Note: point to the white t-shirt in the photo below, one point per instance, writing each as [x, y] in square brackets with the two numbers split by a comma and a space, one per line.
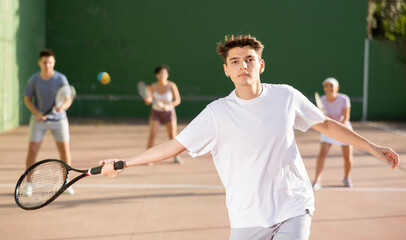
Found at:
[254, 150]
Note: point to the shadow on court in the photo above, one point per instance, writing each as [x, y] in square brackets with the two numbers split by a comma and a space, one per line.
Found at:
[170, 201]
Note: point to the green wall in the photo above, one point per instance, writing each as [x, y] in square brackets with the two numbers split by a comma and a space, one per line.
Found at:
[9, 22]
[387, 81]
[22, 35]
[305, 42]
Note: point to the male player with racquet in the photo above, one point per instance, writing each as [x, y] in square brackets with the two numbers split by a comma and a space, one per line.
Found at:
[250, 134]
[42, 88]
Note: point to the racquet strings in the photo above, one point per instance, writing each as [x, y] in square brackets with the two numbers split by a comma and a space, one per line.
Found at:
[143, 90]
[62, 94]
[41, 184]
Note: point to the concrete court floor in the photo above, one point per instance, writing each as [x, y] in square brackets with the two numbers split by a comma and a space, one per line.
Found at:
[170, 201]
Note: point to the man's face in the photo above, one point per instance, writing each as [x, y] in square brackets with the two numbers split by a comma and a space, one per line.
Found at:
[243, 66]
[47, 64]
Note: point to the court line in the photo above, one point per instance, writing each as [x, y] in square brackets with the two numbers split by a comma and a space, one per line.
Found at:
[136, 97]
[386, 128]
[356, 189]
[137, 186]
[197, 186]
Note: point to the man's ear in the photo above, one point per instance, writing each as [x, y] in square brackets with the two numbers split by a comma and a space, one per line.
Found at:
[262, 66]
[226, 70]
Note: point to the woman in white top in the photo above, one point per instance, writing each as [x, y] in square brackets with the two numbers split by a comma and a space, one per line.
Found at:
[337, 107]
[166, 93]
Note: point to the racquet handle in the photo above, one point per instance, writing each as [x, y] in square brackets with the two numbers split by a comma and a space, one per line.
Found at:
[97, 170]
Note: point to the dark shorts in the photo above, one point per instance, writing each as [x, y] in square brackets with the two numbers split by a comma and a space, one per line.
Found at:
[163, 117]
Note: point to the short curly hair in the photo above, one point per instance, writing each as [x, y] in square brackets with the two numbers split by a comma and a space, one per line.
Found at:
[238, 41]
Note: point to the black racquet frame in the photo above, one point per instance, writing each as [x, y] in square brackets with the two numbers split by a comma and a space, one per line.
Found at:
[85, 173]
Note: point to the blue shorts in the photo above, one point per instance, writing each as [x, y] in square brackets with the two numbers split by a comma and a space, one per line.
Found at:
[59, 129]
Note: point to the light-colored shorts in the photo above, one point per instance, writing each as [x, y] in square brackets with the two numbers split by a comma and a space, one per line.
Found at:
[327, 139]
[59, 129]
[297, 228]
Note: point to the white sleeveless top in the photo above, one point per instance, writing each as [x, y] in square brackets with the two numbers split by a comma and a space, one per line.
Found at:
[166, 97]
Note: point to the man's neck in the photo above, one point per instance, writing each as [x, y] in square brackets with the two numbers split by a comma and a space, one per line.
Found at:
[47, 75]
[249, 92]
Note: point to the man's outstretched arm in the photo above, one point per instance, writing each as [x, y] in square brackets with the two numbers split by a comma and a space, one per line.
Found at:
[155, 154]
[341, 133]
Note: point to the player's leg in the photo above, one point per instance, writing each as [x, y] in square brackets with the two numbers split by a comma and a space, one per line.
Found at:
[154, 123]
[64, 152]
[297, 228]
[60, 131]
[36, 135]
[172, 129]
[171, 125]
[33, 150]
[153, 130]
[65, 156]
[348, 161]
[321, 158]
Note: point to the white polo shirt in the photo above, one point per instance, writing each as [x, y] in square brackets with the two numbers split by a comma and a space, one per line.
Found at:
[254, 150]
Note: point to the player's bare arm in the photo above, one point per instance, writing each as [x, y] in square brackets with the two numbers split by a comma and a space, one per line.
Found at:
[176, 95]
[339, 132]
[346, 115]
[155, 154]
[38, 115]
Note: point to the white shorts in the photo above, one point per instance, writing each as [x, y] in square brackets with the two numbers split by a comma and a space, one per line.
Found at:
[297, 228]
[327, 139]
[59, 129]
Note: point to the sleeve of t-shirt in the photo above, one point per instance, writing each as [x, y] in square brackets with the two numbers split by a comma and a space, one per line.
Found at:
[307, 114]
[64, 80]
[29, 89]
[199, 136]
[347, 102]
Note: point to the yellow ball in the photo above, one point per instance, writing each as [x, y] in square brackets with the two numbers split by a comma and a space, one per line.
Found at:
[104, 78]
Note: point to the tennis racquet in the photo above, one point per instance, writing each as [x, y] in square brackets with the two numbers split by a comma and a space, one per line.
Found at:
[44, 181]
[64, 94]
[319, 103]
[145, 92]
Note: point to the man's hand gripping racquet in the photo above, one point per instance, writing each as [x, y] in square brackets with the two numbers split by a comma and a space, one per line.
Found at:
[64, 95]
[44, 181]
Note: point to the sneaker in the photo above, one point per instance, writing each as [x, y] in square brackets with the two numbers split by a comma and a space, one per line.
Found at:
[316, 186]
[69, 191]
[347, 182]
[28, 189]
[178, 160]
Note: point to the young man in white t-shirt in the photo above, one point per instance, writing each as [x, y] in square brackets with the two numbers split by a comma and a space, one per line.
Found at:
[250, 134]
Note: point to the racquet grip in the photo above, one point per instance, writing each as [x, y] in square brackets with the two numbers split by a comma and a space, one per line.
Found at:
[97, 170]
